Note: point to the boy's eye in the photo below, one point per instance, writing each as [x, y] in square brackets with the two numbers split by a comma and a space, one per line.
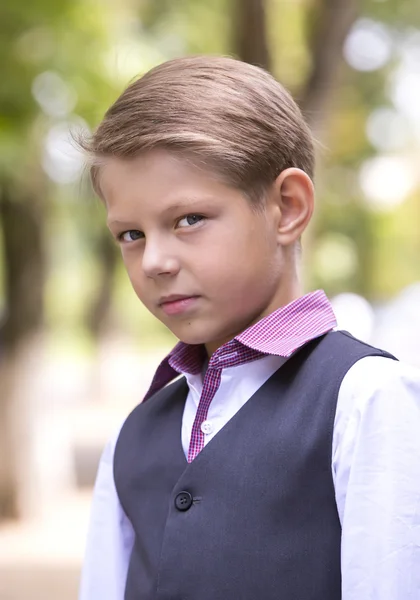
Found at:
[190, 220]
[131, 235]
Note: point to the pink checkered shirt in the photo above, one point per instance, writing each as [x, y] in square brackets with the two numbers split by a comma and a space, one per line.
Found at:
[281, 333]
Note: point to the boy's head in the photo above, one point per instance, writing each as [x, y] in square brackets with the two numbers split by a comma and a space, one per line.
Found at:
[205, 168]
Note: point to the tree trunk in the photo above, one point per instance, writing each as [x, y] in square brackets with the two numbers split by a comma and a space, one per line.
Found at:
[8, 472]
[329, 23]
[99, 311]
[21, 215]
[251, 44]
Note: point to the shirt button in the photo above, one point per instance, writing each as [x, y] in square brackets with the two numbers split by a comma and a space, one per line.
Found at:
[183, 501]
[207, 427]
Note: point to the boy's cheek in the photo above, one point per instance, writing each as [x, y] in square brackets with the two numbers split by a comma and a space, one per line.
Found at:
[138, 287]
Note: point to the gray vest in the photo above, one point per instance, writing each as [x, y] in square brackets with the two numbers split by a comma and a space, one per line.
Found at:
[253, 517]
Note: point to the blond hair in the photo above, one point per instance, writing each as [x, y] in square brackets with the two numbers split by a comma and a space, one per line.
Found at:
[217, 112]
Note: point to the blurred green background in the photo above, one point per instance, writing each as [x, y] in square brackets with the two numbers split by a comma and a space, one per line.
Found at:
[76, 347]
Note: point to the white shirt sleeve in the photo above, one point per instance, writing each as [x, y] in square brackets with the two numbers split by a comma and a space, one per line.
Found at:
[110, 538]
[376, 470]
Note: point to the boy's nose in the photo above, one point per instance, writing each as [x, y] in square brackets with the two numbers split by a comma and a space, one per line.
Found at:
[158, 262]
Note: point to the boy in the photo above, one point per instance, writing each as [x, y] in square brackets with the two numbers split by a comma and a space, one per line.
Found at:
[284, 463]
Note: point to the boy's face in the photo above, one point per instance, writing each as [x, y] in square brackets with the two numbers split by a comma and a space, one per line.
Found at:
[199, 257]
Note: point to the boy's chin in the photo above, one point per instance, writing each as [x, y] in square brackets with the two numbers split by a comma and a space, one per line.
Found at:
[193, 335]
[191, 338]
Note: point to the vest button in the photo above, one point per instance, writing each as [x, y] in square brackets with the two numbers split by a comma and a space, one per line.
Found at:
[183, 501]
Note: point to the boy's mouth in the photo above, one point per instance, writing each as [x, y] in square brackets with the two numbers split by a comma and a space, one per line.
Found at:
[177, 303]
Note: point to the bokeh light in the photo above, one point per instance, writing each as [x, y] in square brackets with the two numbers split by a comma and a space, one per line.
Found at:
[368, 46]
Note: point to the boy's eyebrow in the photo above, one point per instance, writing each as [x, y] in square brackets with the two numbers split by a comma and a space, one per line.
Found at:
[118, 223]
[188, 203]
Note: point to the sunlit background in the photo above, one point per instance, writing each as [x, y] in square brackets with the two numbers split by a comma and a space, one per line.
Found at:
[77, 350]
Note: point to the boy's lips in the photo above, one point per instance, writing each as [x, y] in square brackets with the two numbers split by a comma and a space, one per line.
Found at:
[177, 303]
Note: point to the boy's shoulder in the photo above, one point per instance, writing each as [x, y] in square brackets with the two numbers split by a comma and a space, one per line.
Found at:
[378, 384]
[331, 355]
[343, 342]
[376, 372]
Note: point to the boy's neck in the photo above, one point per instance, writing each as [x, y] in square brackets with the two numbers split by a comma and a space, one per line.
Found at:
[285, 295]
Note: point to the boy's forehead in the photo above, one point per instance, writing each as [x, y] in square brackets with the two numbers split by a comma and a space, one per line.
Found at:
[158, 178]
[119, 173]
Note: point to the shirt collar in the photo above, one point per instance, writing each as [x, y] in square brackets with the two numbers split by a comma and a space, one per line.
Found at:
[280, 334]
[285, 330]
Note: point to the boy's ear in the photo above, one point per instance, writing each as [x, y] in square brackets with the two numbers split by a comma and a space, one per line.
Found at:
[294, 196]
